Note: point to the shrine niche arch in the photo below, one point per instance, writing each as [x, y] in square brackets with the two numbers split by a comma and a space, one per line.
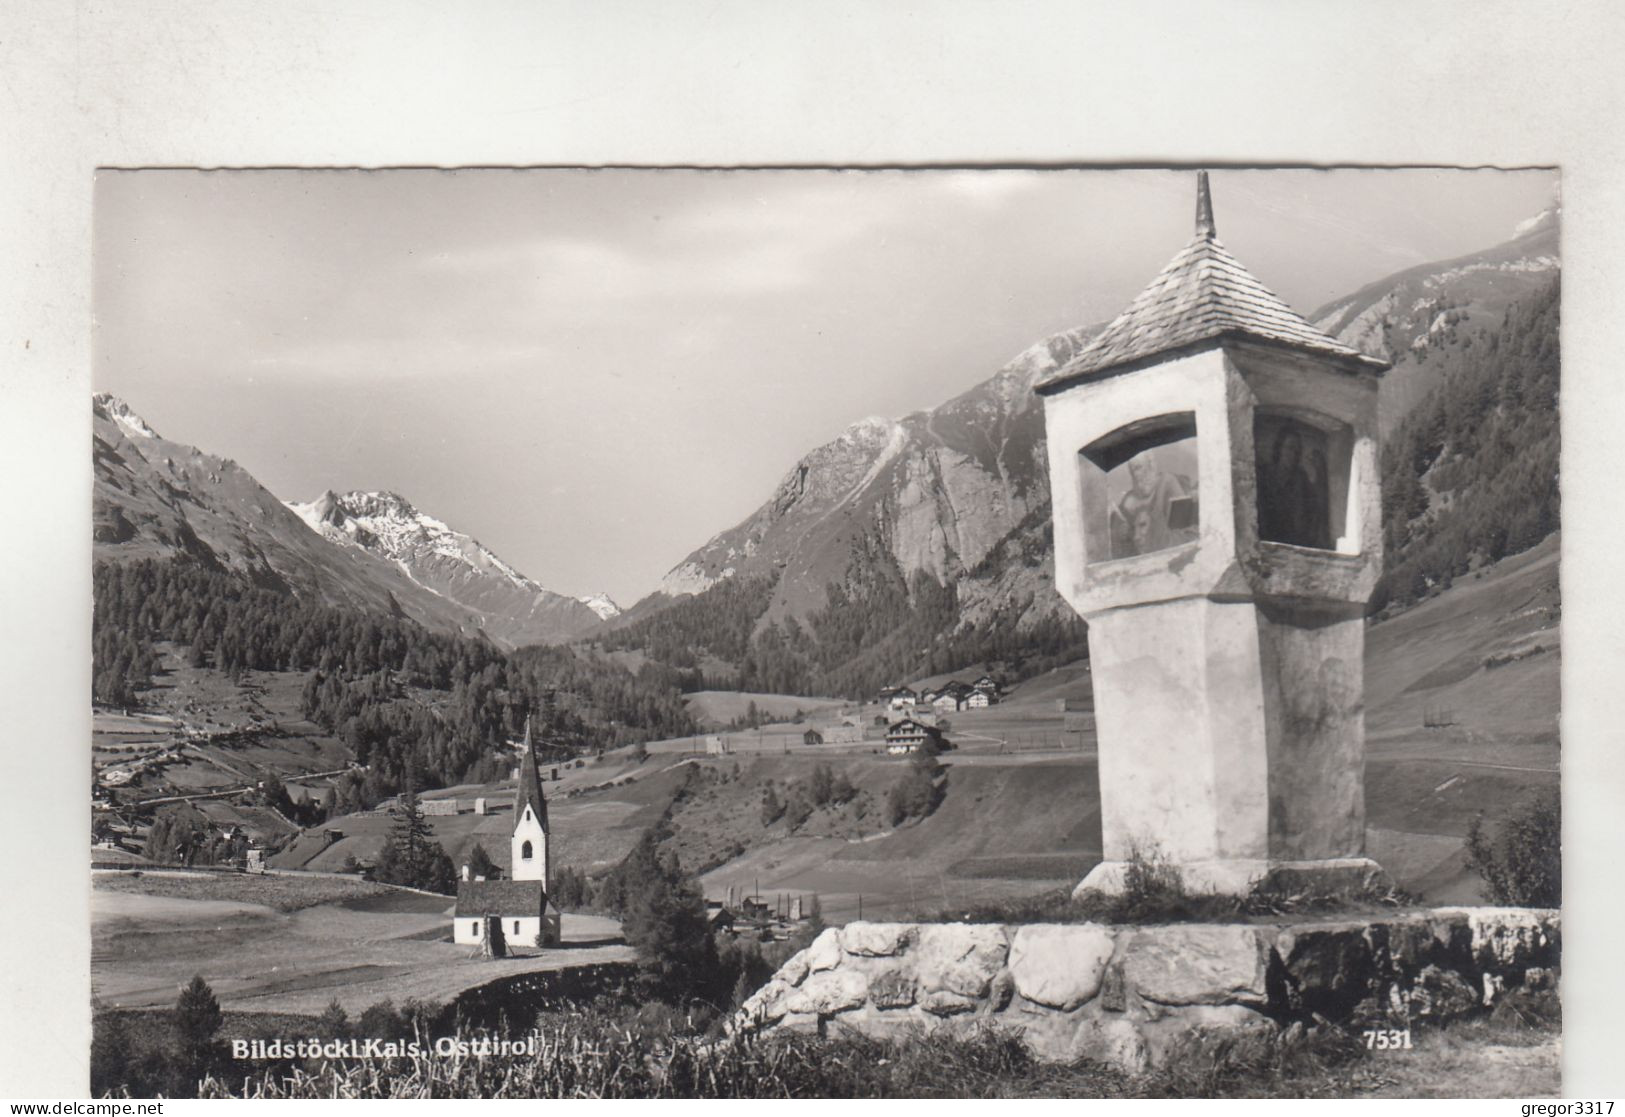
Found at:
[1304, 483]
[1140, 488]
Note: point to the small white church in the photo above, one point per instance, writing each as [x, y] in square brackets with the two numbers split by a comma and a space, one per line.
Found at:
[498, 914]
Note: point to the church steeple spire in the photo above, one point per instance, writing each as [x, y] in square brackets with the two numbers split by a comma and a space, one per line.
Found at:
[1204, 208]
[530, 830]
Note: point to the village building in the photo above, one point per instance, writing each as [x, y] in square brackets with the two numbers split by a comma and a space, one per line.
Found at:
[812, 737]
[716, 746]
[908, 735]
[498, 914]
[902, 698]
[946, 702]
[719, 917]
[979, 700]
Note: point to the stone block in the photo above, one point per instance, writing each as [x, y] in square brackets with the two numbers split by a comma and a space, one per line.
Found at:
[1433, 938]
[766, 1005]
[957, 958]
[825, 952]
[893, 988]
[940, 1002]
[828, 992]
[1110, 1039]
[1439, 994]
[806, 1022]
[1060, 966]
[1051, 1036]
[878, 940]
[882, 1024]
[1539, 979]
[1512, 939]
[794, 971]
[1198, 964]
[1203, 1033]
[1331, 966]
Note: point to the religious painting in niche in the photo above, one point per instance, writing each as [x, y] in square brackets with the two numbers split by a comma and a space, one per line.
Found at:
[1294, 482]
[1152, 499]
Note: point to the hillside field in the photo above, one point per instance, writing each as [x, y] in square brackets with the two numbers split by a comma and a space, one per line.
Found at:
[1021, 810]
[292, 943]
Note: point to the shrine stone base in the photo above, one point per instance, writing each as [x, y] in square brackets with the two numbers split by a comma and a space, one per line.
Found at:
[1340, 875]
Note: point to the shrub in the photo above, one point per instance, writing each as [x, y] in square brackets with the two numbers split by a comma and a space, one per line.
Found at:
[914, 796]
[1522, 863]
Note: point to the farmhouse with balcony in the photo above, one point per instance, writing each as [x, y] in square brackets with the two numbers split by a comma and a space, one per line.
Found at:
[899, 698]
[908, 735]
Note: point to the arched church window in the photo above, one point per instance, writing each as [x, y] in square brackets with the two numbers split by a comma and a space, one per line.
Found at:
[524, 851]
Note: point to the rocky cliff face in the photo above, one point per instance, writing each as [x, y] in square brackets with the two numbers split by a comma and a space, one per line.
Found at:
[939, 489]
[961, 492]
[446, 562]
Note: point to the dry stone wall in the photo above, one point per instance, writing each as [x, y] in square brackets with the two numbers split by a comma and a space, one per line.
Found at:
[1129, 995]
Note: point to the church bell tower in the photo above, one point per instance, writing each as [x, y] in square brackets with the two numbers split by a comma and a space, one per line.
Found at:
[532, 857]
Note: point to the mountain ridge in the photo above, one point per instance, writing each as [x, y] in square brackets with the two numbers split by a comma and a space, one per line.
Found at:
[157, 498]
[958, 494]
[450, 563]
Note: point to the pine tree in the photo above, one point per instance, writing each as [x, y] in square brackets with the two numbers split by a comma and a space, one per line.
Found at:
[196, 1020]
[480, 863]
[334, 1022]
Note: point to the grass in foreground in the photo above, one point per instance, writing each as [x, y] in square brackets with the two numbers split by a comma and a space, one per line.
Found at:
[592, 1054]
[1170, 905]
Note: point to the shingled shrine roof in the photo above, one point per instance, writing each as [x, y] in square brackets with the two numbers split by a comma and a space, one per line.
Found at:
[1203, 295]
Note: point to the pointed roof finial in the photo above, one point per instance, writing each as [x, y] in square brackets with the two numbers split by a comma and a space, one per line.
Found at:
[1204, 207]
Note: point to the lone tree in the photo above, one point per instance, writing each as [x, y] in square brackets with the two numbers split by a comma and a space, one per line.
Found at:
[197, 1021]
[663, 918]
[480, 863]
[411, 856]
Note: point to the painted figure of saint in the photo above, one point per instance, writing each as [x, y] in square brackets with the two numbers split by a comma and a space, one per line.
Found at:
[1293, 495]
[1158, 510]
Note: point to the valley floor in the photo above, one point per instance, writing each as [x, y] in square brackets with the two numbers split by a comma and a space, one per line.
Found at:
[292, 944]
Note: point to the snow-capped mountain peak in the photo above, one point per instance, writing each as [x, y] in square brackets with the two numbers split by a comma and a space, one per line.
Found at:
[447, 562]
[386, 523]
[601, 604]
[1546, 217]
[119, 412]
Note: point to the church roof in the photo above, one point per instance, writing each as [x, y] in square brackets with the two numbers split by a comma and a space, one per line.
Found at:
[1203, 295]
[530, 784]
[522, 898]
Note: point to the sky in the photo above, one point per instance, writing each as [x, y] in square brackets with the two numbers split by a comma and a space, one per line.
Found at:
[594, 371]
